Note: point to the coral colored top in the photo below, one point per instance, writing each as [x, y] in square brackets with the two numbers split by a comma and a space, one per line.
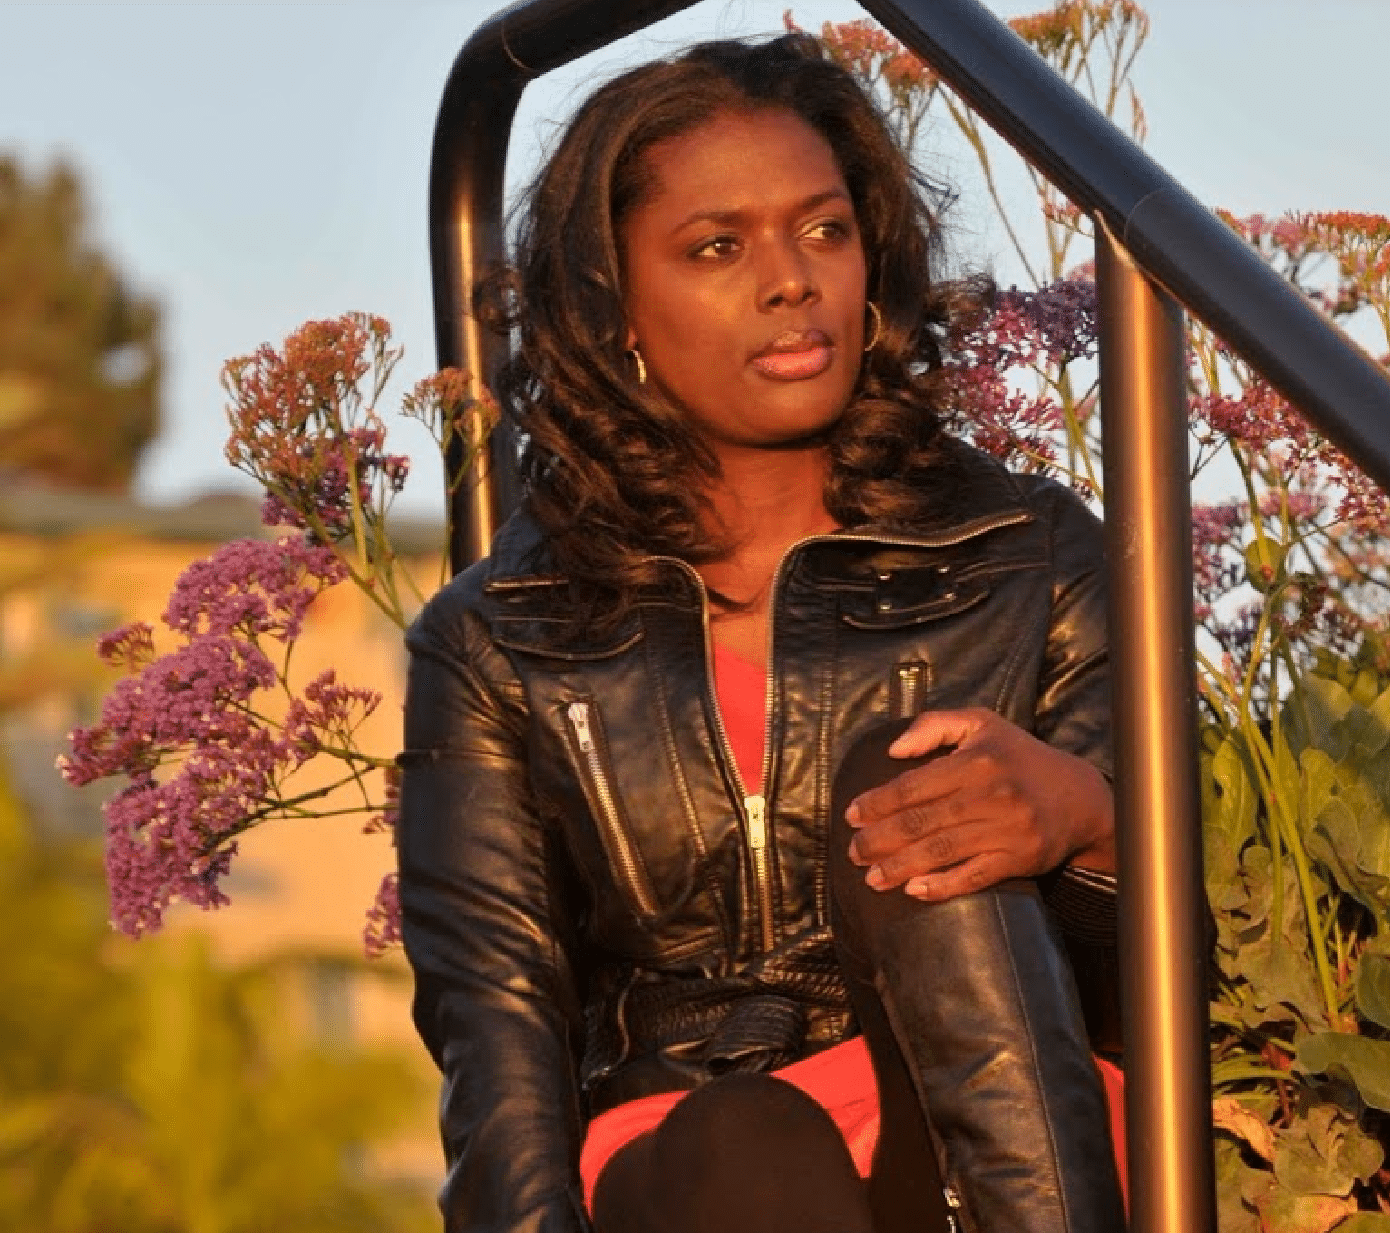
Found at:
[839, 1079]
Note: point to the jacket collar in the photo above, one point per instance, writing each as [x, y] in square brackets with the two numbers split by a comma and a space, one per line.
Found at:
[971, 495]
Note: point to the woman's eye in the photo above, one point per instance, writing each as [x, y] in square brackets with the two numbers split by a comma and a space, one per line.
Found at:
[828, 229]
[715, 247]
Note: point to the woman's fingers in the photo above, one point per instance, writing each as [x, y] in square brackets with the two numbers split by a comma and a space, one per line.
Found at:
[1001, 804]
[977, 830]
[933, 730]
[905, 799]
[978, 873]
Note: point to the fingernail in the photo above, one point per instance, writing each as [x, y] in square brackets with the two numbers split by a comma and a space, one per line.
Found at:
[852, 814]
[875, 877]
[898, 747]
[918, 888]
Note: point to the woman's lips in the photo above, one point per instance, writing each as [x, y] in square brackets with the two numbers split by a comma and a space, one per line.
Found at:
[795, 357]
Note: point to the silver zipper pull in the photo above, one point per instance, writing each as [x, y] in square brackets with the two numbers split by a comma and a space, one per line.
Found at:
[756, 807]
[952, 1205]
[579, 717]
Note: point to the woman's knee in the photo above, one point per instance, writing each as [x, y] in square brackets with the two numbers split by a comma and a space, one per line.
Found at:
[741, 1152]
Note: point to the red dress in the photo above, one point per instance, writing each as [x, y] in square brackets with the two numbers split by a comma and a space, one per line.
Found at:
[839, 1079]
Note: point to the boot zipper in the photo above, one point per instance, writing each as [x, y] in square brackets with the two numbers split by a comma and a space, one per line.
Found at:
[583, 723]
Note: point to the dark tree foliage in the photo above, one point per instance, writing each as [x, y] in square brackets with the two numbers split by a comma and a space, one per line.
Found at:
[80, 359]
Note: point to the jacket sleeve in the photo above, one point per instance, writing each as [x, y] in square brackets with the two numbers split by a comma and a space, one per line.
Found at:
[1073, 713]
[1073, 707]
[485, 929]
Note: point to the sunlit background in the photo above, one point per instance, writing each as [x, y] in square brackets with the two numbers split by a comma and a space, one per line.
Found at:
[243, 168]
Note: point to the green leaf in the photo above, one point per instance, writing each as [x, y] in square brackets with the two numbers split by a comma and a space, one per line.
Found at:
[1373, 988]
[1288, 777]
[1380, 708]
[1282, 974]
[1235, 813]
[1282, 1210]
[1325, 1152]
[1367, 733]
[1233, 1178]
[1365, 1062]
[1313, 712]
[1221, 872]
[1356, 848]
[1319, 786]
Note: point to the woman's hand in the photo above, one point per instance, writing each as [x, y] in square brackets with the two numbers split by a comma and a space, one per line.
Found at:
[1002, 804]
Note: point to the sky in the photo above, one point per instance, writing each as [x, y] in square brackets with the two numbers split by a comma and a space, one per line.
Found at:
[256, 165]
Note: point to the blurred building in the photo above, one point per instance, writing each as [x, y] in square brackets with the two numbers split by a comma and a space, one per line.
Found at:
[75, 564]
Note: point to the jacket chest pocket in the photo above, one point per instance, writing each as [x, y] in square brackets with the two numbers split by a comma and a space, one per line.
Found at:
[592, 757]
[945, 638]
[927, 638]
[913, 598]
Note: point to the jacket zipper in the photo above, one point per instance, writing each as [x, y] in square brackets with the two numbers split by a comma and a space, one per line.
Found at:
[754, 805]
[582, 724]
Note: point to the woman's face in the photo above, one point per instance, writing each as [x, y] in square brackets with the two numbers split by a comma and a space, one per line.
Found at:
[745, 280]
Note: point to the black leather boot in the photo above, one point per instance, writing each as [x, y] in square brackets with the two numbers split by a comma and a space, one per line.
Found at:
[971, 1002]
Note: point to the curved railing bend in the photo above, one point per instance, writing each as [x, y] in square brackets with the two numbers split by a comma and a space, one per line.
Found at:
[1156, 247]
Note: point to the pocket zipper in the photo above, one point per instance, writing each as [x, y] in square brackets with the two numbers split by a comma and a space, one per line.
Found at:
[583, 723]
[907, 682]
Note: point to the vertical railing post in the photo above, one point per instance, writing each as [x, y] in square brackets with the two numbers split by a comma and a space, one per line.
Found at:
[1148, 520]
[466, 190]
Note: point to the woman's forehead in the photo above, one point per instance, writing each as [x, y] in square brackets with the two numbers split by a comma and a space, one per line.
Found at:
[736, 159]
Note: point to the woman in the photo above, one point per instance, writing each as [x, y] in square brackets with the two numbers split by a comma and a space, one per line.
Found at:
[656, 834]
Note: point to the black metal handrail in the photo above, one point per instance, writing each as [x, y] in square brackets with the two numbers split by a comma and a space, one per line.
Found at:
[467, 169]
[1156, 245]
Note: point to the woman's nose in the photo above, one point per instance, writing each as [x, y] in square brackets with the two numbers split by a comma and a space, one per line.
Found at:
[787, 279]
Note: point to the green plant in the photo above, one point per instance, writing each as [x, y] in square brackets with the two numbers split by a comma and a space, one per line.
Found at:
[151, 1089]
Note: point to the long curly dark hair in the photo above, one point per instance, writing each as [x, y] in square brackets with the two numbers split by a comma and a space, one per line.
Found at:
[614, 475]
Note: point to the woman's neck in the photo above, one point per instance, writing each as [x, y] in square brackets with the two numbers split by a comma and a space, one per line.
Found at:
[764, 501]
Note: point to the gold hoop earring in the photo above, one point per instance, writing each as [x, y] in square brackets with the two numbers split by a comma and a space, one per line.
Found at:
[641, 367]
[878, 326]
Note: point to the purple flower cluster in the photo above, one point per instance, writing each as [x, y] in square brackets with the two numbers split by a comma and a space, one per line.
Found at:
[383, 928]
[1216, 564]
[1033, 331]
[251, 587]
[202, 764]
[326, 713]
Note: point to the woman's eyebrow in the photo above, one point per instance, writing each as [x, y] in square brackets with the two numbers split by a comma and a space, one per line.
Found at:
[728, 217]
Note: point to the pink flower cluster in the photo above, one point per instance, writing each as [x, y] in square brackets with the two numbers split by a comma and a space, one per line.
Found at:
[1217, 531]
[304, 426]
[1261, 422]
[202, 764]
[251, 587]
[870, 53]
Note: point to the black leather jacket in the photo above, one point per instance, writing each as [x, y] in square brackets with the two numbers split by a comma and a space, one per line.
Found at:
[594, 904]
